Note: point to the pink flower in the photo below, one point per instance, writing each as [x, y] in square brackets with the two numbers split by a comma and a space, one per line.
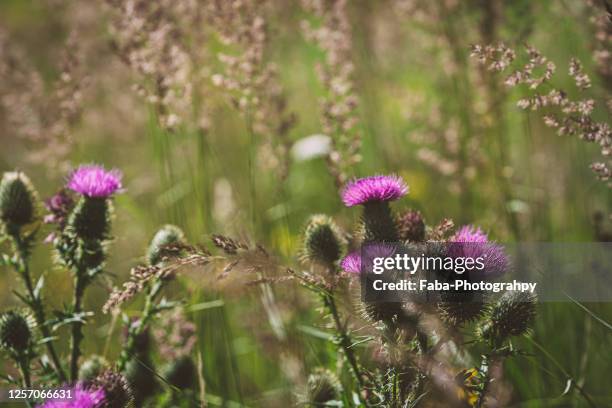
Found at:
[375, 188]
[81, 397]
[472, 242]
[95, 181]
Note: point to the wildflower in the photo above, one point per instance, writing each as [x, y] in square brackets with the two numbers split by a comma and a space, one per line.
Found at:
[411, 226]
[472, 242]
[16, 332]
[117, 391]
[351, 263]
[18, 200]
[323, 386]
[167, 235]
[374, 189]
[82, 397]
[374, 193]
[94, 181]
[323, 240]
[90, 219]
[512, 315]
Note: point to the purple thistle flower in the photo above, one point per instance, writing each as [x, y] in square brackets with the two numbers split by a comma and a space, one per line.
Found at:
[351, 263]
[375, 188]
[470, 233]
[471, 242]
[82, 397]
[95, 181]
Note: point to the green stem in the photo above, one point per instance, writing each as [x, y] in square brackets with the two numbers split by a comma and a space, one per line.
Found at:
[135, 330]
[345, 339]
[36, 304]
[77, 334]
[24, 367]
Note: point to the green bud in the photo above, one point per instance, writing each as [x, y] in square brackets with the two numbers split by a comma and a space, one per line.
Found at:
[18, 200]
[456, 313]
[90, 218]
[322, 240]
[181, 373]
[512, 315]
[323, 386]
[167, 235]
[92, 367]
[379, 222]
[16, 331]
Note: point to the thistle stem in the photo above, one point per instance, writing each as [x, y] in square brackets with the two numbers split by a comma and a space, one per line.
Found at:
[77, 334]
[135, 330]
[345, 342]
[35, 303]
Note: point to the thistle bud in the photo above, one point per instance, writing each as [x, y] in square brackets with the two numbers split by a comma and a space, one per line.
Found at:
[322, 240]
[456, 313]
[181, 373]
[117, 391]
[90, 219]
[512, 315]
[141, 378]
[16, 334]
[167, 235]
[92, 367]
[411, 226]
[18, 200]
[323, 386]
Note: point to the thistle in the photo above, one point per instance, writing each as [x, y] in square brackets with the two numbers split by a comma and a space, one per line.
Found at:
[512, 315]
[458, 311]
[352, 263]
[323, 386]
[167, 235]
[411, 226]
[374, 193]
[82, 397]
[81, 244]
[472, 242]
[16, 332]
[117, 391]
[90, 219]
[323, 241]
[18, 201]
[17, 339]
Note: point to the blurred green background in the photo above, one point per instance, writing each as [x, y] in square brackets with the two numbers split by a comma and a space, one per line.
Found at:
[417, 87]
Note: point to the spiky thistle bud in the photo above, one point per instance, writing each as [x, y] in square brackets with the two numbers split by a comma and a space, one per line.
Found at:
[167, 235]
[140, 375]
[411, 226]
[181, 373]
[92, 367]
[458, 312]
[322, 387]
[16, 331]
[117, 391]
[18, 201]
[512, 315]
[90, 218]
[323, 240]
